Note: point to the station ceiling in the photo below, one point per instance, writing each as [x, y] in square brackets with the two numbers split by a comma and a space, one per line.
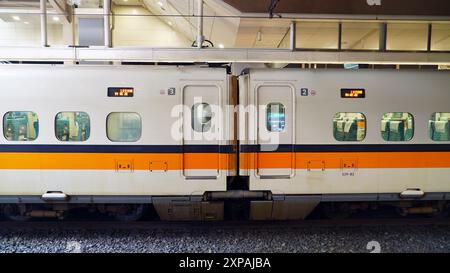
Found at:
[382, 7]
[225, 24]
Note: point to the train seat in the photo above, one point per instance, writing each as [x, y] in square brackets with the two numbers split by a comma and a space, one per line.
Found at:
[441, 131]
[409, 130]
[396, 130]
[339, 130]
[385, 129]
[350, 130]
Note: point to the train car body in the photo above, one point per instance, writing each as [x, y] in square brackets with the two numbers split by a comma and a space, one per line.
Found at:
[104, 134]
[195, 143]
[336, 135]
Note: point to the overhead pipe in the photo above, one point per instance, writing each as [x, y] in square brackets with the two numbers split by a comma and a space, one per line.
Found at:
[107, 22]
[44, 37]
[383, 36]
[200, 37]
[293, 36]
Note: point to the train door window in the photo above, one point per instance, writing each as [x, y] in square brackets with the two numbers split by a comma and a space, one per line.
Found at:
[397, 126]
[439, 126]
[275, 117]
[124, 127]
[201, 116]
[72, 126]
[20, 126]
[349, 126]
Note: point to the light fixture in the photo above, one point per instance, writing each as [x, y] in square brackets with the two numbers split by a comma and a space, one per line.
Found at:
[221, 46]
[161, 5]
[259, 36]
[55, 18]
[169, 23]
[15, 17]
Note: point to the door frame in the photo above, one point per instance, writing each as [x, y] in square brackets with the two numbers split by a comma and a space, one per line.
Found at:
[293, 130]
[182, 86]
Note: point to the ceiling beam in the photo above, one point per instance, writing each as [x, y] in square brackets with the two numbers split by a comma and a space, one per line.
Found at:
[131, 54]
[19, 4]
[62, 8]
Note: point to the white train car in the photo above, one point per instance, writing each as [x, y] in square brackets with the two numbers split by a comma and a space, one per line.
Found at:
[114, 135]
[344, 136]
[114, 138]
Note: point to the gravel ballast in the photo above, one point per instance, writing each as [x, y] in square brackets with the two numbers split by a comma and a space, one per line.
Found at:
[217, 240]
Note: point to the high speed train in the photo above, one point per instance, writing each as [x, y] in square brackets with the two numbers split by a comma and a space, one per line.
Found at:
[195, 143]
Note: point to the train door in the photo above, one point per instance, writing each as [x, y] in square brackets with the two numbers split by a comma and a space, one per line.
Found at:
[201, 125]
[276, 119]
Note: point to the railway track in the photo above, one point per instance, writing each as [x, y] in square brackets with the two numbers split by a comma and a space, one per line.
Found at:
[249, 225]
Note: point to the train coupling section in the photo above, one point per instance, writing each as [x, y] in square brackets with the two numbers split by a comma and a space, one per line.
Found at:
[238, 194]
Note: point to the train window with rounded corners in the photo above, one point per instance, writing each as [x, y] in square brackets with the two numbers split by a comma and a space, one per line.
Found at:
[275, 117]
[397, 126]
[439, 126]
[20, 126]
[123, 126]
[201, 116]
[349, 126]
[72, 126]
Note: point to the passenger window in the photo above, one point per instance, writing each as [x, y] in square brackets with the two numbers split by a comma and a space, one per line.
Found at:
[72, 126]
[438, 127]
[275, 117]
[20, 126]
[349, 126]
[201, 116]
[397, 126]
[124, 127]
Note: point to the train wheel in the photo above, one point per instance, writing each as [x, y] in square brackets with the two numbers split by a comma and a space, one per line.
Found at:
[15, 213]
[130, 213]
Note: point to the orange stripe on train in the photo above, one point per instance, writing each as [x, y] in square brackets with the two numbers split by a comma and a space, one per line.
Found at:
[337, 160]
[109, 161]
